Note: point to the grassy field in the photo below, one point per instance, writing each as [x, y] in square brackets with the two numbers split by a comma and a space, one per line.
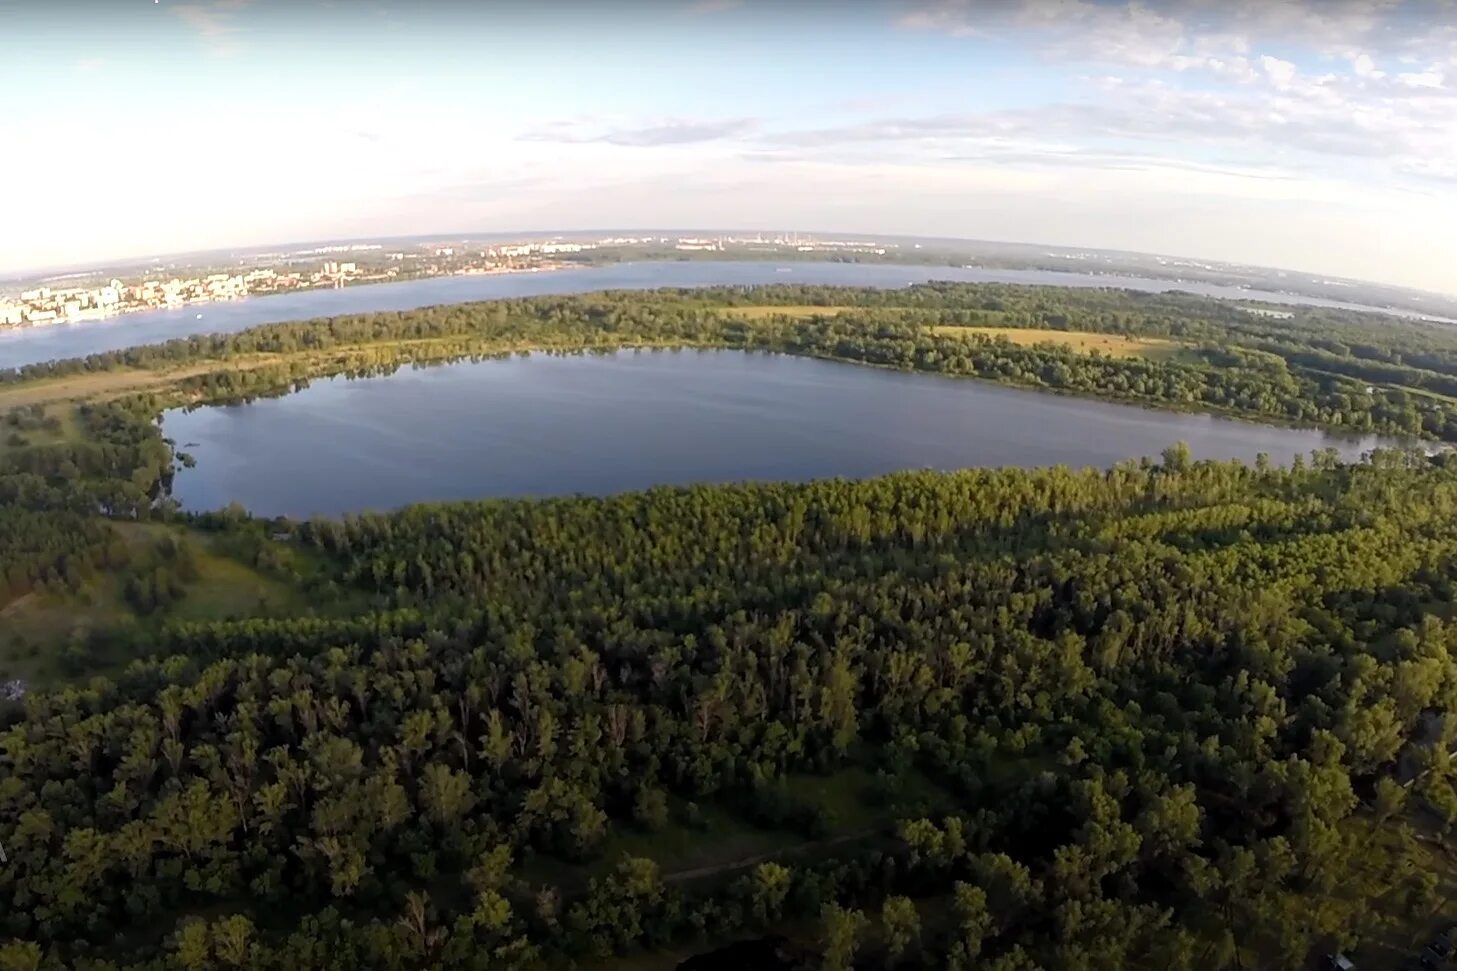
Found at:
[106, 385]
[847, 796]
[725, 843]
[1111, 345]
[95, 385]
[224, 587]
[62, 412]
[102, 385]
[1423, 392]
[722, 839]
[37, 628]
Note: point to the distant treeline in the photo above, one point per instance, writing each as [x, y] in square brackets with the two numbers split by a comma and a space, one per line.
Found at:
[1339, 369]
[1165, 705]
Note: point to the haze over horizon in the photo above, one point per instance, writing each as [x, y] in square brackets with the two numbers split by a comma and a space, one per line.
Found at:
[124, 264]
[1307, 135]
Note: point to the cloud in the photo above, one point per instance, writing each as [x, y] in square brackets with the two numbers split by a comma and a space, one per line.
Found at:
[1181, 34]
[669, 132]
[1279, 79]
[1088, 159]
[1423, 79]
[1365, 67]
[1280, 72]
[214, 22]
[704, 7]
[1311, 122]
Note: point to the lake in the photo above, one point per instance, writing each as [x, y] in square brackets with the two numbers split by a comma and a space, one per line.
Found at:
[34, 345]
[557, 425]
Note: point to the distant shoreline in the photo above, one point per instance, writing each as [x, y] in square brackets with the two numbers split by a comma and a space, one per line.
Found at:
[30, 345]
[93, 315]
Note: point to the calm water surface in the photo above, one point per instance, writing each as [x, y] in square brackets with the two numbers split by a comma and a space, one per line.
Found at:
[545, 425]
[31, 346]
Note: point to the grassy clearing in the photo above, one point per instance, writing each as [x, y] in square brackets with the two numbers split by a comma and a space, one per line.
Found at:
[679, 848]
[12, 438]
[1111, 345]
[724, 843]
[102, 385]
[1423, 393]
[224, 588]
[228, 589]
[848, 798]
[94, 385]
[37, 629]
[106, 385]
[719, 842]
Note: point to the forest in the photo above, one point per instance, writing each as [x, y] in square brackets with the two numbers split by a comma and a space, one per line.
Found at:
[1341, 369]
[1172, 714]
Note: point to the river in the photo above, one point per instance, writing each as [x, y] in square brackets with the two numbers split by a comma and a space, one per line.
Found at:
[552, 425]
[33, 345]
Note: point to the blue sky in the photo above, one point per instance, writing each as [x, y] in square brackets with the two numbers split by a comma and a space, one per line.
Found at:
[1314, 134]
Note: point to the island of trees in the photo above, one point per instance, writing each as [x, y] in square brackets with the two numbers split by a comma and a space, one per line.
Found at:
[1169, 714]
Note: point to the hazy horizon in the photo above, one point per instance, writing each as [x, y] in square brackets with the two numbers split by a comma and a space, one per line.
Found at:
[1301, 135]
[123, 263]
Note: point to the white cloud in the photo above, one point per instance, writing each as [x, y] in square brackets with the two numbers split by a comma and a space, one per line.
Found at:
[1258, 130]
[1365, 67]
[714, 6]
[1202, 72]
[1183, 33]
[1422, 79]
[670, 131]
[214, 21]
[1214, 214]
[1280, 72]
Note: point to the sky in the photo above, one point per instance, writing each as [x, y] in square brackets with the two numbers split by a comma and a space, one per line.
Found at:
[1318, 135]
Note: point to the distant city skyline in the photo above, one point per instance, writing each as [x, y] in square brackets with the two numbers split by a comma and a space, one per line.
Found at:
[1309, 135]
[147, 265]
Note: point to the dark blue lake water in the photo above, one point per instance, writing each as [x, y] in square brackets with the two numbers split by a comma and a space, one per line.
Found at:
[544, 425]
[33, 345]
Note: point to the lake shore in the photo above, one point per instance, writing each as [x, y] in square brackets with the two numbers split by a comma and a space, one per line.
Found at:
[39, 344]
[602, 424]
[94, 315]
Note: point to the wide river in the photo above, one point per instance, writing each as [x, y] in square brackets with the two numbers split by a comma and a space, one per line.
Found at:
[37, 344]
[547, 425]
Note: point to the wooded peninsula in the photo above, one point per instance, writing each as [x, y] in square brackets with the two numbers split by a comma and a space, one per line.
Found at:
[1172, 714]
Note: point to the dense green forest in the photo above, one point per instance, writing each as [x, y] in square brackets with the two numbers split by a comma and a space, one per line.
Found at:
[1345, 369]
[1171, 714]
[1129, 694]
